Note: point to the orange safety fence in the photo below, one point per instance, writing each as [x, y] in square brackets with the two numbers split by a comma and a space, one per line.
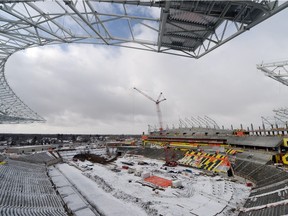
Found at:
[162, 182]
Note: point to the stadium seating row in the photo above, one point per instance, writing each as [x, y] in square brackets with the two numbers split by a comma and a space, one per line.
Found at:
[42, 157]
[261, 175]
[205, 161]
[270, 191]
[8, 211]
[275, 210]
[27, 190]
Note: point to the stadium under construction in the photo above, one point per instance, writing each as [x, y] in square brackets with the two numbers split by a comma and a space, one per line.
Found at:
[184, 177]
[186, 171]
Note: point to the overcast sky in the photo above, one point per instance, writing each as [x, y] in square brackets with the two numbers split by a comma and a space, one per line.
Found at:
[89, 89]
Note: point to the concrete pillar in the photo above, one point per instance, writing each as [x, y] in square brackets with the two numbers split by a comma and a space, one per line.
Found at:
[277, 131]
[263, 126]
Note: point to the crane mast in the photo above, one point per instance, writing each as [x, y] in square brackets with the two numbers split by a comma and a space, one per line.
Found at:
[157, 102]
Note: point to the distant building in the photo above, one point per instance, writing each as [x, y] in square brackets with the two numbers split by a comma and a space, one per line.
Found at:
[28, 149]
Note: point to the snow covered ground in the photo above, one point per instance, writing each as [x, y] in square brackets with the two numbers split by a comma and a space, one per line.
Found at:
[113, 190]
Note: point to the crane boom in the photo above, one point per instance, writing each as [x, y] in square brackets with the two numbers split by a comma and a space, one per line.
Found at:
[157, 102]
[147, 96]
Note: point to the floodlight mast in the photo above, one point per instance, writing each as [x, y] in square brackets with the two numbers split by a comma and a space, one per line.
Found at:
[157, 102]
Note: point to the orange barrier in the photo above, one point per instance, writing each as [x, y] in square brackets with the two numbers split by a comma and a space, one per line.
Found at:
[159, 181]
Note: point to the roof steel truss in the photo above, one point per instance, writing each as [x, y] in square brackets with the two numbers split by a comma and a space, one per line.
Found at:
[276, 70]
[280, 119]
[185, 28]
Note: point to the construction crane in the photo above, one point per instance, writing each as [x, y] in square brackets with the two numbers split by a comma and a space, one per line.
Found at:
[157, 102]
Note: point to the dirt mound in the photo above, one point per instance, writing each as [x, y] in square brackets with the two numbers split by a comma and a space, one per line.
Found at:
[93, 158]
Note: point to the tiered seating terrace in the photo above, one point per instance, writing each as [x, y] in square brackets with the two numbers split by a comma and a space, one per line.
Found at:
[270, 196]
[42, 157]
[25, 189]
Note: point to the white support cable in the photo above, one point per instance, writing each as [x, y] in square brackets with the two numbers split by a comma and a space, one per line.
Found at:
[203, 121]
[196, 121]
[213, 122]
[189, 122]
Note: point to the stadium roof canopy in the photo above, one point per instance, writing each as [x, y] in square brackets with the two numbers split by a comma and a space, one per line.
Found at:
[276, 70]
[185, 28]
